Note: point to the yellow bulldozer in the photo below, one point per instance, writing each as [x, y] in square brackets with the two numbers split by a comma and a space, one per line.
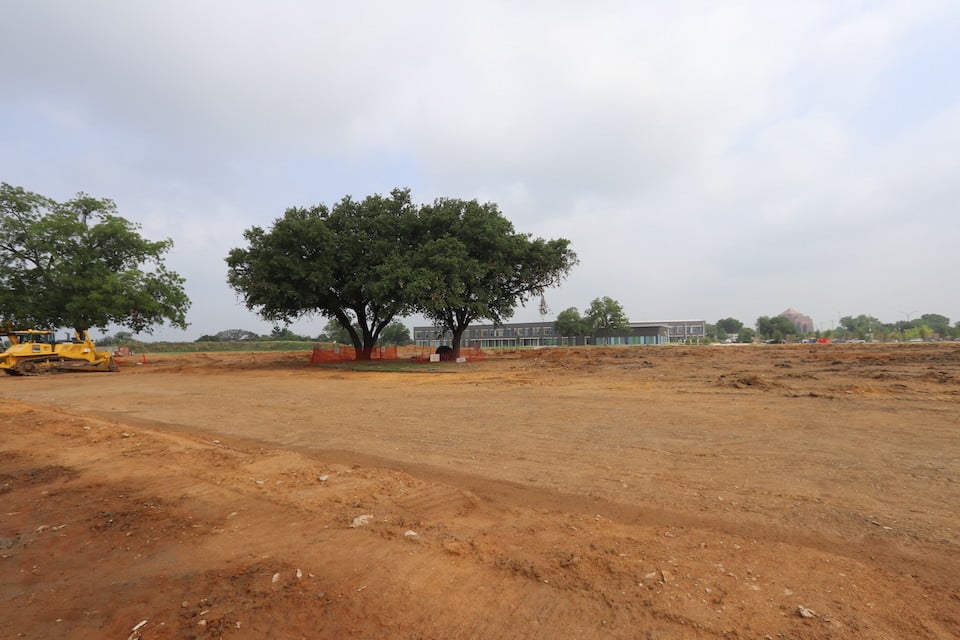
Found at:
[37, 351]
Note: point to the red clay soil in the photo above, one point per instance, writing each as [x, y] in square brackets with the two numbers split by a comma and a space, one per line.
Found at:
[655, 492]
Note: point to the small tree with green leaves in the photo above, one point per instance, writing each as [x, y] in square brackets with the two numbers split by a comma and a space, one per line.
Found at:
[395, 334]
[775, 328]
[334, 332]
[729, 326]
[936, 323]
[346, 263]
[569, 324]
[605, 317]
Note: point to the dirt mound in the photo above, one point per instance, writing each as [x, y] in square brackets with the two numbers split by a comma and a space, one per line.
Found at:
[748, 381]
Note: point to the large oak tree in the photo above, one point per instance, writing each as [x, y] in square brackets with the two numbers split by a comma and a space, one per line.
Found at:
[78, 264]
[364, 263]
[339, 262]
[472, 265]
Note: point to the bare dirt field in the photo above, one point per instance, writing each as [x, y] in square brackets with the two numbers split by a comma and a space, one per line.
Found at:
[795, 491]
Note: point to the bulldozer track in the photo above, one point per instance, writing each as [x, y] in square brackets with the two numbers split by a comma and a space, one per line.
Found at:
[33, 352]
[38, 367]
[51, 366]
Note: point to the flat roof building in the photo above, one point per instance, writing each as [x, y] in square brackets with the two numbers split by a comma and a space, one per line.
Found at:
[544, 334]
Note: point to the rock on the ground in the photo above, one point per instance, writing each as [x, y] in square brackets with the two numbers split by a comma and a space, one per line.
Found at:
[361, 521]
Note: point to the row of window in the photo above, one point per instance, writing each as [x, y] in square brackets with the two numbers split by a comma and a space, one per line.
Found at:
[501, 332]
[687, 329]
[677, 330]
[509, 332]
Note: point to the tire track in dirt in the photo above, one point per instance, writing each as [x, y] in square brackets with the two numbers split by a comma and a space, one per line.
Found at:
[446, 494]
[934, 565]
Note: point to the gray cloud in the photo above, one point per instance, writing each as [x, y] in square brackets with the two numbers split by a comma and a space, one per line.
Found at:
[706, 160]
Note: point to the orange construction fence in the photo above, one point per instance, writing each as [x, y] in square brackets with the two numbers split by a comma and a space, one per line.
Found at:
[327, 354]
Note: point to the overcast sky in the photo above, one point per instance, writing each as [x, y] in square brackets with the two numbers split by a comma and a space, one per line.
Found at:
[706, 159]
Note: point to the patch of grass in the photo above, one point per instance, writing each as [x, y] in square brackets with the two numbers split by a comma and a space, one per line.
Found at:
[397, 366]
[217, 347]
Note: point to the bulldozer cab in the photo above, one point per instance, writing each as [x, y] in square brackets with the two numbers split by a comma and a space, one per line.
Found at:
[36, 336]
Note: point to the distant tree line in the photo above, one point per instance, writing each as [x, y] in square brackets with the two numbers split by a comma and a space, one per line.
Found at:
[605, 317]
[394, 334]
[862, 327]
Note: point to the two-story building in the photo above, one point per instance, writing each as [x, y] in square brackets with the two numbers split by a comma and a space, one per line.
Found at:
[544, 334]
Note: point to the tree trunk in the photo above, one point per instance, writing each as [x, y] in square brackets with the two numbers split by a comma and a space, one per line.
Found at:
[455, 339]
[360, 353]
[365, 349]
[362, 345]
[366, 353]
[357, 344]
